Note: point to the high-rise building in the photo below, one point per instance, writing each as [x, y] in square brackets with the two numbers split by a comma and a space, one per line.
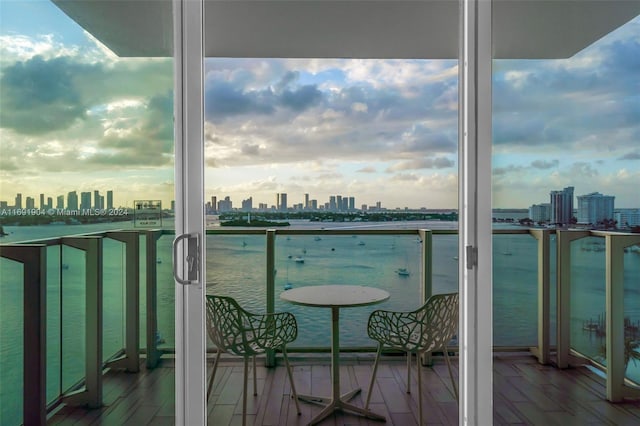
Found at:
[60, 202]
[247, 205]
[109, 199]
[627, 217]
[49, 202]
[595, 207]
[96, 200]
[314, 204]
[214, 203]
[561, 206]
[339, 202]
[72, 201]
[31, 203]
[352, 203]
[332, 203]
[283, 202]
[18, 204]
[306, 201]
[540, 212]
[42, 204]
[225, 205]
[85, 201]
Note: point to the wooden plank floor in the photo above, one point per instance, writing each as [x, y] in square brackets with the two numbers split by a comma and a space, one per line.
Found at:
[525, 393]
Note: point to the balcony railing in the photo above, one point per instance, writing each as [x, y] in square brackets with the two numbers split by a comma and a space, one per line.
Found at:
[66, 281]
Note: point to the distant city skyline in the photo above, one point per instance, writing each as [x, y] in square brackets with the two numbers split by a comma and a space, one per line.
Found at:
[380, 130]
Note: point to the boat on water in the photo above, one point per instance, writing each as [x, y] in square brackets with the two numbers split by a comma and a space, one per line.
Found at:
[299, 259]
[317, 239]
[403, 272]
[361, 243]
[288, 286]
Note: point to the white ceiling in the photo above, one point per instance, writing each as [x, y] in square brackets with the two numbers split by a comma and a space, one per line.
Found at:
[523, 29]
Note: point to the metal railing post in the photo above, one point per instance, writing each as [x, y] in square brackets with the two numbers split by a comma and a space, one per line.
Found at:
[270, 360]
[153, 354]
[426, 284]
[34, 260]
[426, 280]
[615, 328]
[91, 396]
[542, 351]
[131, 359]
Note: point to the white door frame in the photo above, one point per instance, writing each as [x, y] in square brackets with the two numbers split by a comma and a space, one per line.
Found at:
[190, 357]
[474, 206]
[475, 237]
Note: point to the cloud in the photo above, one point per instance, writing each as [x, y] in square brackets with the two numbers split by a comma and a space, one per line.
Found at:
[582, 169]
[367, 169]
[499, 171]
[422, 163]
[544, 164]
[249, 149]
[39, 95]
[634, 155]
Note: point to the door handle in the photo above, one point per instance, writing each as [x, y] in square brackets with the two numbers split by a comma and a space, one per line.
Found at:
[192, 258]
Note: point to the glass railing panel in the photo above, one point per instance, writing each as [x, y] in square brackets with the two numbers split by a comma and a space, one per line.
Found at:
[445, 263]
[515, 290]
[54, 326]
[236, 267]
[632, 311]
[73, 316]
[165, 293]
[11, 342]
[588, 296]
[392, 263]
[114, 278]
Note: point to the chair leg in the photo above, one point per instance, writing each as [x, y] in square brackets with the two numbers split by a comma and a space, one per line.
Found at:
[453, 382]
[244, 390]
[419, 388]
[255, 382]
[294, 394]
[409, 372]
[373, 376]
[213, 374]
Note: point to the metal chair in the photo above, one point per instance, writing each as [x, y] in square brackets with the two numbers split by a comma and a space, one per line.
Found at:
[427, 329]
[239, 332]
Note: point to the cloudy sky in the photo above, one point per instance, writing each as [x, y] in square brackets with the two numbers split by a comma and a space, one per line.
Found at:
[73, 116]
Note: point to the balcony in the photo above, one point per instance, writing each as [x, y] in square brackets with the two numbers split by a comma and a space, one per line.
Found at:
[95, 308]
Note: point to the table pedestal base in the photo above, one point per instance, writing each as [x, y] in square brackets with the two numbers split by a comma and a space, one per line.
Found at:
[332, 405]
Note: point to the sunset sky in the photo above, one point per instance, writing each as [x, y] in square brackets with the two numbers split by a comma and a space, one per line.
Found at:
[73, 116]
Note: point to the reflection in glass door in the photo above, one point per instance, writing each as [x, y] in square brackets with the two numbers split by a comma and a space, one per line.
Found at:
[87, 168]
[565, 156]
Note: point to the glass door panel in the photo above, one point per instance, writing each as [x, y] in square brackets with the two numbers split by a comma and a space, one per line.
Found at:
[346, 159]
[565, 91]
[87, 151]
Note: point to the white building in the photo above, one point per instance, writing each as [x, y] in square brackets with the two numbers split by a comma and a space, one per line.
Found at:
[627, 217]
[595, 207]
[540, 212]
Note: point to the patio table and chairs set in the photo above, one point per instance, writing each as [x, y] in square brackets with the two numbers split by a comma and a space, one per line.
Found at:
[236, 331]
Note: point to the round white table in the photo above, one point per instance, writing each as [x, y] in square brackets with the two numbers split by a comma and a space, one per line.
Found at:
[336, 297]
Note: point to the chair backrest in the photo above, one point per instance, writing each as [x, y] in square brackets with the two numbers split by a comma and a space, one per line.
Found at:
[226, 324]
[440, 320]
